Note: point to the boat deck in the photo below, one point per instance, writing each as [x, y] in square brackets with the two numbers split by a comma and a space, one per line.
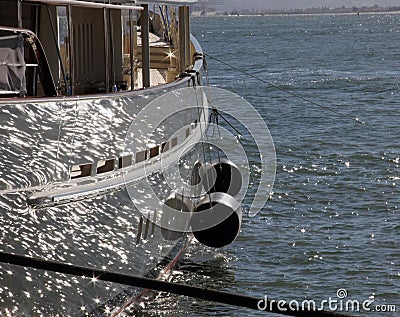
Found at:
[159, 62]
[155, 41]
[157, 77]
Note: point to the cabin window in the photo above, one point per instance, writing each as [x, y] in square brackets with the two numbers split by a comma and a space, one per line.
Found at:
[64, 45]
[130, 62]
[105, 166]
[141, 156]
[174, 142]
[125, 161]
[164, 147]
[154, 151]
[82, 170]
[96, 49]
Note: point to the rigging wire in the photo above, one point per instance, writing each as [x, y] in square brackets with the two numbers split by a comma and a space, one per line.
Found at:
[357, 120]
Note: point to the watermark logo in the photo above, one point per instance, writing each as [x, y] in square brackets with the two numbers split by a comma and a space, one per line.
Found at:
[340, 303]
[341, 293]
[163, 136]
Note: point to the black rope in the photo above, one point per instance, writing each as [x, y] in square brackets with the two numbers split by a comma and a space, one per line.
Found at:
[286, 91]
[227, 122]
[162, 286]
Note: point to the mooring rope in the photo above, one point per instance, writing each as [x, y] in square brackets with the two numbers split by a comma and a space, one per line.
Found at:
[227, 122]
[357, 120]
[222, 297]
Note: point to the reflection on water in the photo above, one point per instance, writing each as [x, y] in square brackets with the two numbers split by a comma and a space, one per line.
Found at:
[333, 218]
[201, 266]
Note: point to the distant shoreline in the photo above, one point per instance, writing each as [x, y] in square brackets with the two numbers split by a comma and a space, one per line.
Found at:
[310, 11]
[289, 14]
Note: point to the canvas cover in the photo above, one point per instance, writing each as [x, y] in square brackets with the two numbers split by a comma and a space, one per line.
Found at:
[12, 65]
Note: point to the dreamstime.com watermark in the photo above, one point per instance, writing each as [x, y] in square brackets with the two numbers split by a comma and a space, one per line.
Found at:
[340, 303]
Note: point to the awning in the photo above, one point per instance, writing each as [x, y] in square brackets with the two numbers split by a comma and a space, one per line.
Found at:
[86, 4]
[168, 2]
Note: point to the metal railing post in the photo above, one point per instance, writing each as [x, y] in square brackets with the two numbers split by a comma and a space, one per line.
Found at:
[145, 46]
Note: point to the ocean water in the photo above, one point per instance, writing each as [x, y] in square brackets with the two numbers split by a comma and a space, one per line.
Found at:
[332, 222]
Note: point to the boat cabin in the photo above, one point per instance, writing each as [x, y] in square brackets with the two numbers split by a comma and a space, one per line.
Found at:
[70, 47]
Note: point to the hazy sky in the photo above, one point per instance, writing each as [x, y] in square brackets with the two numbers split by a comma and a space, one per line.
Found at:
[280, 4]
